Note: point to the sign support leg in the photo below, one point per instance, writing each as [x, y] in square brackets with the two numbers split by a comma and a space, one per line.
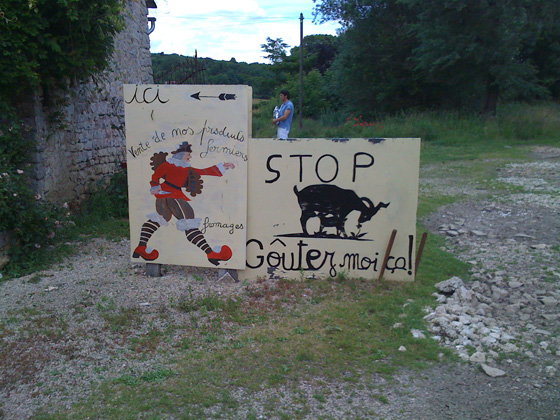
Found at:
[387, 253]
[153, 270]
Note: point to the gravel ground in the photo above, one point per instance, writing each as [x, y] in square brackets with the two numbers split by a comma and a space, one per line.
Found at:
[54, 346]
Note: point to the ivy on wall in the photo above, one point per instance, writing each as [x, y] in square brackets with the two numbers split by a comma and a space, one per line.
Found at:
[44, 44]
[48, 42]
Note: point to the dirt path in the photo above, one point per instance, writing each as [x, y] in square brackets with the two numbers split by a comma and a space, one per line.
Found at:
[512, 242]
[506, 317]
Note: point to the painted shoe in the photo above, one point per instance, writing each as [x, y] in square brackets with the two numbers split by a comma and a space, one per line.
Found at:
[142, 251]
[219, 254]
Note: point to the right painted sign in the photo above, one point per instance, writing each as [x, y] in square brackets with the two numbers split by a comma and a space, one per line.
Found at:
[328, 207]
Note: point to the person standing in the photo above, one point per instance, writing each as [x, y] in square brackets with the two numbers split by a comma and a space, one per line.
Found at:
[285, 115]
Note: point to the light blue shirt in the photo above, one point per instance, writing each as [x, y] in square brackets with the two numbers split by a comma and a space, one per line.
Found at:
[288, 121]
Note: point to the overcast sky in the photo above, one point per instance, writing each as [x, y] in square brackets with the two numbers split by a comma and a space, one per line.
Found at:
[222, 29]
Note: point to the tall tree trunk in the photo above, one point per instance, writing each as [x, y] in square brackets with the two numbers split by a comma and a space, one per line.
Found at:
[491, 96]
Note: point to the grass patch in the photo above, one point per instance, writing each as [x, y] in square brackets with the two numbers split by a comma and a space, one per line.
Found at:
[341, 332]
[117, 319]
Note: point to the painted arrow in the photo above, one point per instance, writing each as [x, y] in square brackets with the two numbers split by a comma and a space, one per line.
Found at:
[221, 96]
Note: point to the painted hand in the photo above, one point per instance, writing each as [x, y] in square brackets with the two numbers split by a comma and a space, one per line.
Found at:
[229, 165]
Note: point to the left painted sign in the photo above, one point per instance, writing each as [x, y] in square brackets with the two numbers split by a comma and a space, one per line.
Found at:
[187, 173]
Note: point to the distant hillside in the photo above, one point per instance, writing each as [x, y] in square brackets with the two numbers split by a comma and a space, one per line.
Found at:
[178, 69]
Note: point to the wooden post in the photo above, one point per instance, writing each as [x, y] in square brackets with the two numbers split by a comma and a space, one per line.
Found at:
[387, 253]
[419, 253]
[153, 270]
[301, 70]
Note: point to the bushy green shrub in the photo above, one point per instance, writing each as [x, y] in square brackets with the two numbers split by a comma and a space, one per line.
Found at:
[29, 221]
[108, 197]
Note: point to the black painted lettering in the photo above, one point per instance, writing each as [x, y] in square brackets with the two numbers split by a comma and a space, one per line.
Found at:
[273, 259]
[300, 165]
[368, 162]
[317, 168]
[270, 181]
[260, 258]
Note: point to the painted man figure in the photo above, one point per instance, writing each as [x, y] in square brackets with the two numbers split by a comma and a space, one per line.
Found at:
[177, 173]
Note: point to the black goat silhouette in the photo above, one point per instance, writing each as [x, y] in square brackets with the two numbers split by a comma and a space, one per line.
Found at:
[332, 204]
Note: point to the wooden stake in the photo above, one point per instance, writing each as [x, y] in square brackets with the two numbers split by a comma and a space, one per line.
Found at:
[419, 253]
[153, 270]
[387, 253]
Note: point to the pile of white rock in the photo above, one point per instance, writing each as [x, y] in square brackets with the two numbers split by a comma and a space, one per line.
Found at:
[463, 321]
[460, 320]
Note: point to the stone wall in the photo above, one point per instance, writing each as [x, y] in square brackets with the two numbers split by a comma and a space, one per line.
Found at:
[83, 141]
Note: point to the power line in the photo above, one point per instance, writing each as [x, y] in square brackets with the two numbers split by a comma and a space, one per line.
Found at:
[244, 21]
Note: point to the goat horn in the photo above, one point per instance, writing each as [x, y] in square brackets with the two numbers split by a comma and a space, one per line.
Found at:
[368, 201]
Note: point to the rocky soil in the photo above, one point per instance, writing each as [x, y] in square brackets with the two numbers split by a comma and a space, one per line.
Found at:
[503, 321]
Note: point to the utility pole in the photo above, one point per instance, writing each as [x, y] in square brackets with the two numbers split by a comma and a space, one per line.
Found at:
[301, 70]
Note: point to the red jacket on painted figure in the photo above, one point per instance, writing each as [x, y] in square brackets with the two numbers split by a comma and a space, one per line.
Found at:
[174, 178]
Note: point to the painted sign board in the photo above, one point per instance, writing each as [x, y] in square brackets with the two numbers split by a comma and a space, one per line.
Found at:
[187, 173]
[325, 207]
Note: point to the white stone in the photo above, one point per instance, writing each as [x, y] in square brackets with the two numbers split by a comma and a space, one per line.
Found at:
[478, 233]
[548, 301]
[550, 371]
[542, 332]
[506, 337]
[510, 348]
[478, 357]
[449, 286]
[488, 341]
[498, 293]
[464, 294]
[402, 348]
[492, 372]
[417, 334]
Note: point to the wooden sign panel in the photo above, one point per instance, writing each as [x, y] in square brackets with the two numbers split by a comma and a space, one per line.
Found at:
[187, 173]
[325, 207]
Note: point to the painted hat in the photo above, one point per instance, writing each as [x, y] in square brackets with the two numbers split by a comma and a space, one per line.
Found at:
[183, 147]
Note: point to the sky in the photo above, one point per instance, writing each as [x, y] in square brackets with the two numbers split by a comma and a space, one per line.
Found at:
[226, 29]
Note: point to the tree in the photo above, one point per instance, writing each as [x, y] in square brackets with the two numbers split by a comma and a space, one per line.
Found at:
[478, 40]
[319, 52]
[315, 98]
[275, 50]
[446, 52]
[372, 71]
